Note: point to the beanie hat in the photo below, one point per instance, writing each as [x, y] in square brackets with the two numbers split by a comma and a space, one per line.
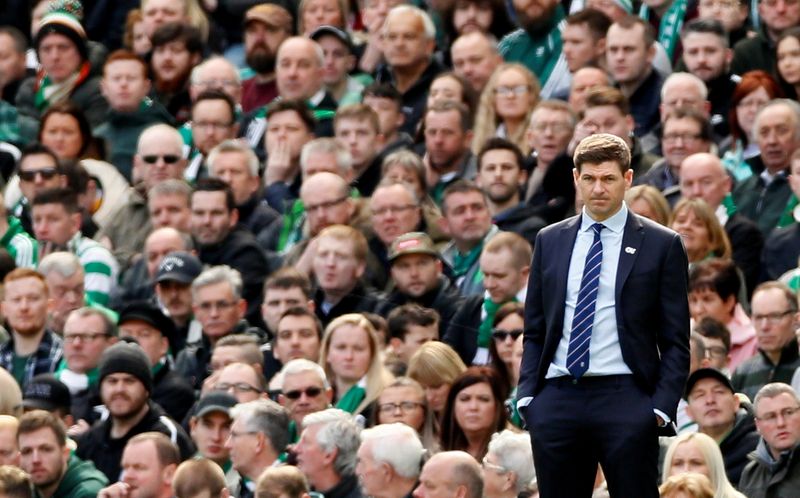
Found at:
[129, 358]
[65, 23]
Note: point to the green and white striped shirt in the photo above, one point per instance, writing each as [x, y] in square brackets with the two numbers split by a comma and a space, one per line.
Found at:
[101, 270]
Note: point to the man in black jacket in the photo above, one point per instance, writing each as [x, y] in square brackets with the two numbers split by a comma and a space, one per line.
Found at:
[125, 386]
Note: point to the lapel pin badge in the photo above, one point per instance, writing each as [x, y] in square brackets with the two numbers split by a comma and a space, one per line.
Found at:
[630, 250]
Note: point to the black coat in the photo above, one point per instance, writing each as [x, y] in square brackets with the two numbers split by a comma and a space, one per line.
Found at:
[747, 243]
[742, 439]
[172, 392]
[462, 335]
[360, 300]
[781, 251]
[444, 298]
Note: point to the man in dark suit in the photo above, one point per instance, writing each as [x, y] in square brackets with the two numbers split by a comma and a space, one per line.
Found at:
[606, 351]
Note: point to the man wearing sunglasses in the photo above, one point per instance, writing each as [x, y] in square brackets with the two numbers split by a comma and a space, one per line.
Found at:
[304, 390]
[38, 169]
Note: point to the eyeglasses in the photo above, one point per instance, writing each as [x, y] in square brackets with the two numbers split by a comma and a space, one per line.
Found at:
[686, 138]
[30, 175]
[392, 209]
[507, 91]
[167, 158]
[501, 335]
[72, 338]
[239, 387]
[717, 351]
[772, 317]
[310, 392]
[321, 206]
[403, 406]
[772, 417]
[218, 305]
[493, 466]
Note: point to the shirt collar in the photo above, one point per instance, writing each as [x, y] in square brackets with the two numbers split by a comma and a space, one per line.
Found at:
[616, 223]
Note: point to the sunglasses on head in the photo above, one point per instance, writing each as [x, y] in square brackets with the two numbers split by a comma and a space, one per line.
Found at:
[310, 392]
[502, 335]
[46, 173]
[168, 158]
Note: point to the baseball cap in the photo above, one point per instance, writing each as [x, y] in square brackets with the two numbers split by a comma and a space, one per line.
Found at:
[271, 15]
[706, 373]
[412, 243]
[45, 392]
[215, 401]
[179, 266]
[340, 34]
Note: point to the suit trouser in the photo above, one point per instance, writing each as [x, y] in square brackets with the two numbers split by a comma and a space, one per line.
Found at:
[576, 424]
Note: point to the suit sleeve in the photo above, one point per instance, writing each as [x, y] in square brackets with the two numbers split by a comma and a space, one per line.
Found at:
[535, 325]
[673, 339]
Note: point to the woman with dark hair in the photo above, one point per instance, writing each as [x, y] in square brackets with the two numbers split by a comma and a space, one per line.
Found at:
[787, 57]
[508, 326]
[64, 129]
[474, 411]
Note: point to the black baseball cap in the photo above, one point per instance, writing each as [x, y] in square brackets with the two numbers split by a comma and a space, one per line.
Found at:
[150, 314]
[215, 401]
[45, 392]
[706, 373]
[340, 34]
[179, 266]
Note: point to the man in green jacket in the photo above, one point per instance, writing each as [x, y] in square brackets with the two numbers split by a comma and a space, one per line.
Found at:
[44, 454]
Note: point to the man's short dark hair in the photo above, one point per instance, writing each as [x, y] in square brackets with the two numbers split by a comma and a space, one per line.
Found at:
[216, 185]
[384, 91]
[790, 296]
[461, 186]
[499, 143]
[20, 44]
[214, 94]
[714, 329]
[180, 32]
[77, 176]
[465, 118]
[706, 132]
[34, 420]
[297, 106]
[630, 21]
[36, 149]
[597, 22]
[303, 311]
[287, 278]
[63, 196]
[603, 96]
[717, 275]
[601, 148]
[706, 26]
[402, 317]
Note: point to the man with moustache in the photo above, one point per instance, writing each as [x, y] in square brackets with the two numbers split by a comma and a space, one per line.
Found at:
[265, 28]
[177, 47]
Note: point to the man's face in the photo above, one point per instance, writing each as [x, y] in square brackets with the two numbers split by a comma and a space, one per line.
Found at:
[549, 133]
[712, 405]
[84, 342]
[467, 216]
[123, 394]
[475, 60]
[43, 456]
[435, 481]
[779, 15]
[156, 13]
[416, 336]
[242, 445]
[707, 303]
[44, 172]
[500, 176]
[335, 266]
[172, 62]
[371, 474]
[24, 305]
[404, 41]
[287, 127]
[240, 381]
[52, 223]
[311, 457]
[773, 320]
[232, 167]
[176, 298]
[296, 337]
[66, 294]
[12, 63]
[501, 278]
[150, 339]
[325, 206]
[580, 46]
[416, 274]
[682, 137]
[626, 54]
[338, 60]
[602, 187]
[703, 177]
[217, 74]
[261, 42]
[124, 85]
[143, 472]
[298, 72]
[390, 116]
[445, 141]
[211, 220]
[309, 395]
[158, 158]
[776, 133]
[157, 246]
[277, 301]
[394, 213]
[794, 177]
[705, 55]
[212, 123]
[59, 57]
[778, 422]
[731, 13]
[533, 14]
[9, 451]
[209, 433]
[217, 310]
[361, 138]
[683, 94]
[608, 119]
[170, 210]
[583, 81]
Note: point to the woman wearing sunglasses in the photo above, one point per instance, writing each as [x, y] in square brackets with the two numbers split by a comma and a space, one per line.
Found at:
[506, 341]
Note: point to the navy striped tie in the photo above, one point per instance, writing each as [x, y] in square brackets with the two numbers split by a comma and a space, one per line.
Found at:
[580, 338]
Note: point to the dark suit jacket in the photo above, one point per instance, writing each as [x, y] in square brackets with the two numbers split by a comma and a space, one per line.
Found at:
[651, 306]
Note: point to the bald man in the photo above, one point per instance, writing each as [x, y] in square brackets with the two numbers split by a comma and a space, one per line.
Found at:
[450, 474]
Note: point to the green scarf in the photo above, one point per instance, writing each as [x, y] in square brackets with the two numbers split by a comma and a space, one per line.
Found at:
[48, 92]
[463, 262]
[292, 228]
[485, 329]
[730, 205]
[93, 375]
[669, 29]
[352, 398]
[787, 217]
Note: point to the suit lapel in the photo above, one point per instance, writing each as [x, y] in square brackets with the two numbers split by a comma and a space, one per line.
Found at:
[631, 242]
[567, 236]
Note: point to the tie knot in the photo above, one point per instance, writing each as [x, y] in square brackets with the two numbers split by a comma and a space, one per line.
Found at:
[598, 227]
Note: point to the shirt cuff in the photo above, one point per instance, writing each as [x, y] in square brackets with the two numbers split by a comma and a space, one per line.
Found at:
[663, 416]
[523, 402]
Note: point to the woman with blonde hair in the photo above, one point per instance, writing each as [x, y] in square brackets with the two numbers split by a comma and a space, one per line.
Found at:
[702, 234]
[506, 105]
[697, 452]
[686, 486]
[351, 356]
[435, 366]
[648, 201]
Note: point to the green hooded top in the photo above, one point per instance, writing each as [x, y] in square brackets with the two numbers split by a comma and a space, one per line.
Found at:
[82, 480]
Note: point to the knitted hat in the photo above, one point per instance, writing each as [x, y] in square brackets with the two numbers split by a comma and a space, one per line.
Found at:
[65, 23]
[129, 358]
